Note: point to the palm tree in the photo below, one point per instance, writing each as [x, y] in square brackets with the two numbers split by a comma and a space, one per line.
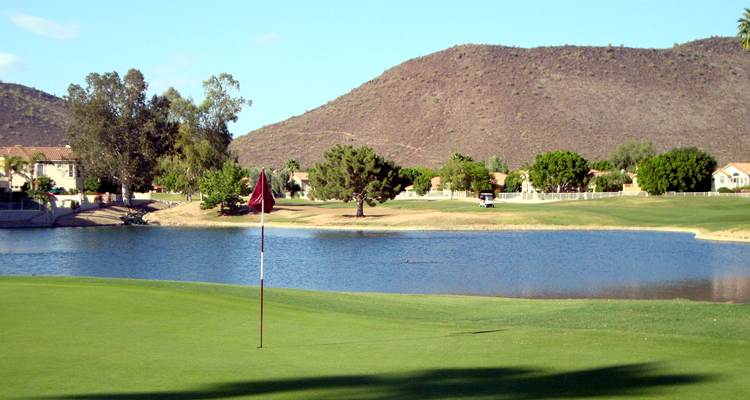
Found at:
[11, 165]
[743, 30]
[38, 158]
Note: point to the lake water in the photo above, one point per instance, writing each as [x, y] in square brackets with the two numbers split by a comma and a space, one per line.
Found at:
[577, 264]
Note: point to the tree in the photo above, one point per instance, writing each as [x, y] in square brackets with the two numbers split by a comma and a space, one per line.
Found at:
[292, 165]
[460, 157]
[603, 165]
[681, 170]
[279, 181]
[743, 29]
[224, 187]
[513, 182]
[45, 183]
[116, 133]
[497, 164]
[612, 182]
[358, 175]
[422, 184]
[462, 174]
[409, 175]
[13, 165]
[629, 154]
[204, 136]
[561, 171]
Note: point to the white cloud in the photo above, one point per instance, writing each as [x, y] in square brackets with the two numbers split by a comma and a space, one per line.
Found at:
[10, 63]
[45, 27]
[267, 39]
[173, 72]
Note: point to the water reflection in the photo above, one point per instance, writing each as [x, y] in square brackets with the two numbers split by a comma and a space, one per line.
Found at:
[633, 265]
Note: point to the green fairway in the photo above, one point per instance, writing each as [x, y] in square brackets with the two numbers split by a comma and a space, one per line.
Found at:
[81, 338]
[709, 213]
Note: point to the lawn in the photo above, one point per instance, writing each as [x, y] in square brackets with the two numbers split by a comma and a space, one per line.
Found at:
[81, 338]
[709, 213]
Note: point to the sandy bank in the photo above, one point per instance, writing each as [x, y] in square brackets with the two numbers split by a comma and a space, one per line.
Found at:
[315, 217]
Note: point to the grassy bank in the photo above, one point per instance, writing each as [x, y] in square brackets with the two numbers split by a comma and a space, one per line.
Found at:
[706, 213]
[710, 213]
[78, 338]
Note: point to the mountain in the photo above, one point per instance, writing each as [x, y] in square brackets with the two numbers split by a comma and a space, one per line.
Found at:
[482, 100]
[30, 117]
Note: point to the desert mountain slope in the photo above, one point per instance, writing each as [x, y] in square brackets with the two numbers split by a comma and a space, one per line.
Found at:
[30, 117]
[482, 100]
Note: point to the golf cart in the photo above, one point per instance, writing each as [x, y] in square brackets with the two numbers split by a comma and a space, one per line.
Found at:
[485, 200]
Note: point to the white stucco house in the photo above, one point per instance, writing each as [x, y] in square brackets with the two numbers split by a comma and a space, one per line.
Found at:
[58, 163]
[732, 176]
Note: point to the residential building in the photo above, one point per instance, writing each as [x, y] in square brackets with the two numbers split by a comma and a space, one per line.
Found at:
[733, 175]
[57, 163]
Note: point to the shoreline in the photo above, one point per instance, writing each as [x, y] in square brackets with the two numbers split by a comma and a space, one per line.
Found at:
[698, 233]
[189, 215]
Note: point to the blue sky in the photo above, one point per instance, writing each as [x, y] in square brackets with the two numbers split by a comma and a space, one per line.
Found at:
[293, 56]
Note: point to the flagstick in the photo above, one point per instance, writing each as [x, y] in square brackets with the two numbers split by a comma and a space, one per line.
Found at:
[262, 237]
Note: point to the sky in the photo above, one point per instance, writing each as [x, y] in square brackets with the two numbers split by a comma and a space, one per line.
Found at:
[294, 56]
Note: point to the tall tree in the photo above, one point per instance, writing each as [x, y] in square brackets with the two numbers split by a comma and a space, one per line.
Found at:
[292, 165]
[13, 165]
[743, 29]
[204, 134]
[422, 184]
[358, 175]
[116, 133]
[627, 155]
[513, 182]
[603, 165]
[462, 174]
[681, 170]
[560, 171]
[496, 164]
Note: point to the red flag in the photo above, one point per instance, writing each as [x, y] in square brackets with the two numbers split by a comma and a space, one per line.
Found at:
[262, 198]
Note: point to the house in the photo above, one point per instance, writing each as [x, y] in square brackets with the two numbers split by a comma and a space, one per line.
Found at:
[733, 175]
[592, 175]
[499, 179]
[302, 180]
[58, 164]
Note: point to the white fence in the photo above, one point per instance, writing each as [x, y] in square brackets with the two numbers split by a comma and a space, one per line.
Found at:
[21, 205]
[709, 194]
[37, 215]
[517, 196]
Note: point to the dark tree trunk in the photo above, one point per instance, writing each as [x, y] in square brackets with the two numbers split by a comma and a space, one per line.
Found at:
[360, 207]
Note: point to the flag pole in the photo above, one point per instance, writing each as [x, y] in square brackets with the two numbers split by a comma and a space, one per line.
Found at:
[262, 238]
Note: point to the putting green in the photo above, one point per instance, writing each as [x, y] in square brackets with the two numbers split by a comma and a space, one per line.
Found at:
[80, 338]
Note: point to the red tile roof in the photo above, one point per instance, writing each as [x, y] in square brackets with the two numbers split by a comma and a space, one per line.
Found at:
[51, 153]
[744, 167]
[720, 170]
[499, 178]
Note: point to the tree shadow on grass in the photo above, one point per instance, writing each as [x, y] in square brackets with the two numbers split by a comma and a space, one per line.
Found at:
[500, 383]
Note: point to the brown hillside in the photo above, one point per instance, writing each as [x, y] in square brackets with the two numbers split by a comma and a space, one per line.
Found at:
[482, 100]
[30, 117]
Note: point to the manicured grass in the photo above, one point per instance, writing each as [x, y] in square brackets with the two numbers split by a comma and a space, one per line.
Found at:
[81, 338]
[710, 213]
[172, 197]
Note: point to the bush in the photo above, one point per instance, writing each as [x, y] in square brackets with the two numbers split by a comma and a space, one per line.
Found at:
[725, 190]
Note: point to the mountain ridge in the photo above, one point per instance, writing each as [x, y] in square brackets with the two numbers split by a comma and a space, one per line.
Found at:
[31, 117]
[486, 99]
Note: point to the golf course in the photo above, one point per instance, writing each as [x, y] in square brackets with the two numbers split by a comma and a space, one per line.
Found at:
[709, 217]
[86, 338]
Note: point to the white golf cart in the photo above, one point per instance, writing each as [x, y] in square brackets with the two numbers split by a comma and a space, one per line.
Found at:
[485, 200]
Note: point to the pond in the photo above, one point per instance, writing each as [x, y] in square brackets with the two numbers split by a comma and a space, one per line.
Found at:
[552, 264]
